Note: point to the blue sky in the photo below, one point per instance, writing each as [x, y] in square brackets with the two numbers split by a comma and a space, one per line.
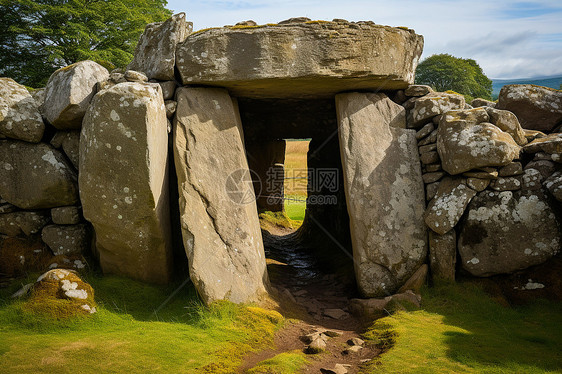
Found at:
[509, 39]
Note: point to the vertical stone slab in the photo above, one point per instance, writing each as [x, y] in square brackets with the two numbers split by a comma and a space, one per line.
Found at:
[384, 191]
[123, 180]
[220, 227]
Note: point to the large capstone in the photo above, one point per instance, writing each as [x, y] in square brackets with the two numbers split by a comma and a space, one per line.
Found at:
[124, 180]
[220, 227]
[155, 54]
[69, 92]
[36, 176]
[537, 108]
[300, 60]
[19, 113]
[508, 231]
[384, 191]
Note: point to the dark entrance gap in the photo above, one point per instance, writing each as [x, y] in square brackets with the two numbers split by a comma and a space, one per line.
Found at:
[319, 251]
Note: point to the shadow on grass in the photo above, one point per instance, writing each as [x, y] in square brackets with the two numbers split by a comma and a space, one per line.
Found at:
[497, 338]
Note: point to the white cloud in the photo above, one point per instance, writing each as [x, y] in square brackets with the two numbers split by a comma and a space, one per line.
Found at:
[508, 39]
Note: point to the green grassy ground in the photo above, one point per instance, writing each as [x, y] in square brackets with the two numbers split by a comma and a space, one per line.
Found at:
[126, 335]
[295, 207]
[296, 189]
[460, 329]
[284, 363]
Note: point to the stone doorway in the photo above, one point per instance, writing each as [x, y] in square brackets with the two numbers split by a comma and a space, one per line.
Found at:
[320, 250]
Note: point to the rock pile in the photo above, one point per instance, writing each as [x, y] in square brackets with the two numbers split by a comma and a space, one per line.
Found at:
[488, 182]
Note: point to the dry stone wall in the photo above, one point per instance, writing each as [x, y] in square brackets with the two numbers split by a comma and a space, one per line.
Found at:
[429, 179]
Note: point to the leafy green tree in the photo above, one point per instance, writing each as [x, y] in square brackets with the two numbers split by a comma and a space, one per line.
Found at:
[445, 72]
[38, 37]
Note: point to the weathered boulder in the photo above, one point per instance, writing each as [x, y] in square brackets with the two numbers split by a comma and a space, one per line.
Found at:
[554, 185]
[36, 176]
[431, 105]
[61, 284]
[416, 281]
[66, 239]
[69, 141]
[443, 255]
[377, 308]
[448, 205]
[384, 191]
[24, 222]
[19, 113]
[465, 141]
[69, 92]
[482, 102]
[418, 90]
[155, 53]
[304, 60]
[220, 227]
[536, 107]
[124, 180]
[551, 144]
[66, 215]
[508, 231]
[508, 122]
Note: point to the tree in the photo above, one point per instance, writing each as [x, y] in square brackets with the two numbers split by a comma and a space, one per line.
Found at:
[445, 72]
[38, 37]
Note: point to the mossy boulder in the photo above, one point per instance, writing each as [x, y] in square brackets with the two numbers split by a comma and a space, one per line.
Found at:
[61, 293]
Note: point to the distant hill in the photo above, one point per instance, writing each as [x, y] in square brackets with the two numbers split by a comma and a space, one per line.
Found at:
[552, 82]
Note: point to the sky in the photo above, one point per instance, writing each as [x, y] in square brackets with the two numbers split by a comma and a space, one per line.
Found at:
[509, 39]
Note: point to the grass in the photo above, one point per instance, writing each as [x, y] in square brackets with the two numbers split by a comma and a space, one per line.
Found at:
[296, 189]
[284, 363]
[461, 329]
[126, 335]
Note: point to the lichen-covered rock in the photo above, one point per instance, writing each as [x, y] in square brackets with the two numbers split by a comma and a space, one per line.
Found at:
[506, 184]
[220, 227]
[448, 205]
[69, 92]
[124, 180]
[19, 113]
[23, 222]
[384, 191]
[482, 102]
[443, 255]
[61, 293]
[66, 239]
[536, 107]
[69, 141]
[507, 122]
[418, 90]
[465, 141]
[36, 176]
[509, 170]
[508, 231]
[551, 144]
[304, 60]
[431, 105]
[66, 215]
[554, 185]
[155, 53]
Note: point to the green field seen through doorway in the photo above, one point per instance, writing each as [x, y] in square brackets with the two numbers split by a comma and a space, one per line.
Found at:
[295, 185]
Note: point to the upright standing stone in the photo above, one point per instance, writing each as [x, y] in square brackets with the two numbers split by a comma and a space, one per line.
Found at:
[19, 114]
[69, 92]
[124, 180]
[155, 54]
[384, 191]
[443, 255]
[220, 227]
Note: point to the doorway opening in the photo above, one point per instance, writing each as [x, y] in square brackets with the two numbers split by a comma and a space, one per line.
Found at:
[297, 142]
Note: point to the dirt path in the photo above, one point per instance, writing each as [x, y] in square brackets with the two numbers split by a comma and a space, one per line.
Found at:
[316, 302]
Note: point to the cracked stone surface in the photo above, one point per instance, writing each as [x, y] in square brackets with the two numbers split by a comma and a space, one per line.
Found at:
[220, 227]
[123, 180]
[384, 191]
